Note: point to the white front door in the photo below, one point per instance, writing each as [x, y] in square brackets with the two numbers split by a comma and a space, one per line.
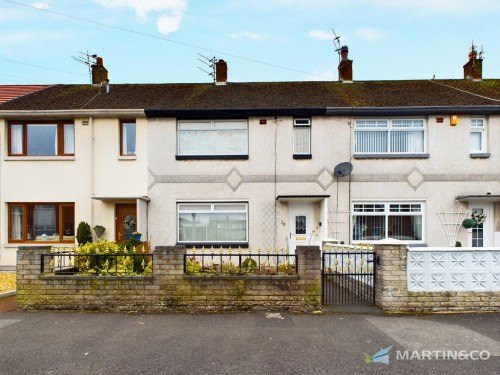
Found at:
[481, 235]
[301, 225]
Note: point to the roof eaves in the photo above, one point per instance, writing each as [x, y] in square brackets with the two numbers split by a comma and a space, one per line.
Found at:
[68, 113]
[233, 112]
[413, 111]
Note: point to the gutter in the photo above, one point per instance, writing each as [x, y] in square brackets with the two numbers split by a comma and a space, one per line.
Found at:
[413, 111]
[218, 113]
[67, 113]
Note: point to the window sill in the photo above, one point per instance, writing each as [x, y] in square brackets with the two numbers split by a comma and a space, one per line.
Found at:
[216, 246]
[127, 157]
[211, 157]
[391, 156]
[39, 158]
[480, 155]
[15, 245]
[302, 156]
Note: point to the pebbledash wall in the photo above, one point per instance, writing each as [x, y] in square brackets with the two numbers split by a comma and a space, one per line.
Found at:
[168, 289]
[416, 280]
[437, 280]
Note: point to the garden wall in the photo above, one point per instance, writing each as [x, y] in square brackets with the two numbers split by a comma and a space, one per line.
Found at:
[168, 289]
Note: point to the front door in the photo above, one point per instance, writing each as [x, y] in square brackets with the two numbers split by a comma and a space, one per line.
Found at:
[301, 219]
[481, 232]
[126, 221]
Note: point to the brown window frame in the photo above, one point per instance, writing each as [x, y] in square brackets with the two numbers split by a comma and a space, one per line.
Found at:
[60, 136]
[59, 205]
[122, 122]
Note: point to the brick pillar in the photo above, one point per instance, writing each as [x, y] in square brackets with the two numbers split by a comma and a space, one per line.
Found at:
[309, 271]
[27, 271]
[169, 261]
[391, 288]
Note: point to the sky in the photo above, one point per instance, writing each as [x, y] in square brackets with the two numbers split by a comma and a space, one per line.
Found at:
[163, 41]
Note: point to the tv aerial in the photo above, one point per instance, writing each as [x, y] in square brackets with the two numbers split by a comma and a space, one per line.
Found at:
[86, 59]
[336, 43]
[210, 63]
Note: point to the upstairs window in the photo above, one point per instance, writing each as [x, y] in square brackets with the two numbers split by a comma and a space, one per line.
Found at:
[477, 136]
[41, 139]
[389, 136]
[301, 136]
[373, 221]
[212, 139]
[127, 138]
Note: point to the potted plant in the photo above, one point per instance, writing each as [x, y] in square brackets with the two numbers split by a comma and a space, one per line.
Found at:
[478, 217]
[468, 223]
[137, 235]
[99, 230]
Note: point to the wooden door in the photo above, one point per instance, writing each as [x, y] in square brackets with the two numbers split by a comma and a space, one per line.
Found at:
[126, 221]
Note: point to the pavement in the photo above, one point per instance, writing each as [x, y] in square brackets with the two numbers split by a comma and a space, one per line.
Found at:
[247, 343]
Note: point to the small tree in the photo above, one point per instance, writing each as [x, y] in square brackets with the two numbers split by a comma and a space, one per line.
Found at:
[83, 233]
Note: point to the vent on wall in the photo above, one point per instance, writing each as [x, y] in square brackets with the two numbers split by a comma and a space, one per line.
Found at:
[85, 122]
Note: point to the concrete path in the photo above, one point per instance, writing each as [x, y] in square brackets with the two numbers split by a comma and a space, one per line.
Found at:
[246, 343]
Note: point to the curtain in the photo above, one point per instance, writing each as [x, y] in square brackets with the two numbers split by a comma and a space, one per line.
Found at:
[124, 139]
[370, 141]
[128, 139]
[16, 139]
[212, 227]
[407, 141]
[301, 139]
[69, 139]
[16, 220]
[213, 142]
[475, 141]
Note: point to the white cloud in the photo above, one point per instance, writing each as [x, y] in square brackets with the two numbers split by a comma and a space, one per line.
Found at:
[250, 35]
[172, 11]
[320, 34]
[441, 6]
[17, 38]
[40, 5]
[370, 34]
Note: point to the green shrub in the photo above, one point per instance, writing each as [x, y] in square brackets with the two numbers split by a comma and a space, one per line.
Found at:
[468, 223]
[83, 233]
[248, 265]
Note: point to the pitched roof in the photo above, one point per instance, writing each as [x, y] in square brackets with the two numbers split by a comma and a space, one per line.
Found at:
[9, 92]
[263, 95]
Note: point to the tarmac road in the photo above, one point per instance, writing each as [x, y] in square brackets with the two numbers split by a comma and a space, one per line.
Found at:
[245, 343]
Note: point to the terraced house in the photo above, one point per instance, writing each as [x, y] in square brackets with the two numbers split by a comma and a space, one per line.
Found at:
[273, 164]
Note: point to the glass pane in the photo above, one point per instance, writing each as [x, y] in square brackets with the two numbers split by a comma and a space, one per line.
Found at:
[230, 207]
[68, 223]
[129, 225]
[69, 139]
[213, 142]
[300, 225]
[212, 227]
[407, 141]
[195, 207]
[407, 123]
[475, 141]
[16, 139]
[405, 228]
[370, 141]
[477, 231]
[16, 223]
[128, 138]
[477, 123]
[371, 124]
[368, 228]
[301, 139]
[42, 222]
[42, 139]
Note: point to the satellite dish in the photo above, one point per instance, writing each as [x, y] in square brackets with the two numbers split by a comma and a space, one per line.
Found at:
[343, 169]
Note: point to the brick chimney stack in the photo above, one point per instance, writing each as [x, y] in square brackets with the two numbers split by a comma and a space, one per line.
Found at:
[220, 72]
[345, 66]
[473, 69]
[99, 72]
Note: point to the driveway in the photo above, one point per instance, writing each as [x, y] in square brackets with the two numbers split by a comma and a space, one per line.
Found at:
[246, 343]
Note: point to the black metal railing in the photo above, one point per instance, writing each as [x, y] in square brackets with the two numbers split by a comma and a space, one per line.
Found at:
[63, 263]
[348, 277]
[244, 264]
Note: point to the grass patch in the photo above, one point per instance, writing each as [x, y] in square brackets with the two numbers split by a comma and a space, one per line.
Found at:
[7, 282]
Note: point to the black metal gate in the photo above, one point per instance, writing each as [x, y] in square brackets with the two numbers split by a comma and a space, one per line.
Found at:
[348, 276]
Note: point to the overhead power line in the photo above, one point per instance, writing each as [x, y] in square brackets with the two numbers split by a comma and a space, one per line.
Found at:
[42, 67]
[165, 39]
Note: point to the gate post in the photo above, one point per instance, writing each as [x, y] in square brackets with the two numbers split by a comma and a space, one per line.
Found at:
[309, 272]
[391, 288]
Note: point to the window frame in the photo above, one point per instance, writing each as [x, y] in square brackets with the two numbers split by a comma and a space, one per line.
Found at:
[210, 156]
[60, 137]
[482, 131]
[390, 128]
[123, 122]
[212, 210]
[24, 224]
[386, 212]
[296, 125]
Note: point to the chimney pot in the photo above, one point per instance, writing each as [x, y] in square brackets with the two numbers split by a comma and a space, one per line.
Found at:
[220, 72]
[99, 72]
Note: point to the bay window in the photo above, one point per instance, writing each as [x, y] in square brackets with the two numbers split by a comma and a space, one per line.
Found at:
[373, 221]
[212, 223]
[41, 138]
[212, 139]
[41, 222]
[386, 136]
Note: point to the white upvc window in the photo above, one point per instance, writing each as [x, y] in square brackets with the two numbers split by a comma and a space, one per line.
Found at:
[373, 221]
[477, 139]
[212, 222]
[302, 136]
[389, 136]
[212, 138]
